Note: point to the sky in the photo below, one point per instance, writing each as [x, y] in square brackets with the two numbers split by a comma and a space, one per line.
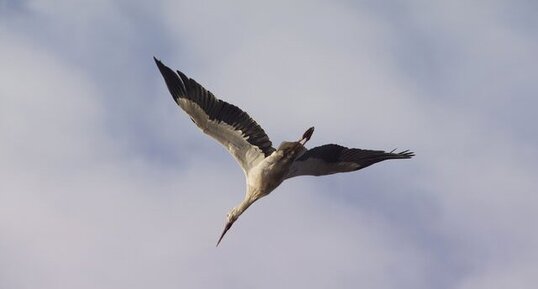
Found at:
[105, 183]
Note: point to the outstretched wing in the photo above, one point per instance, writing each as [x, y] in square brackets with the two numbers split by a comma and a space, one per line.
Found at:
[331, 159]
[225, 122]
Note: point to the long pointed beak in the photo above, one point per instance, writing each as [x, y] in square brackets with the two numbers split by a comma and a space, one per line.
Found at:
[306, 136]
[226, 228]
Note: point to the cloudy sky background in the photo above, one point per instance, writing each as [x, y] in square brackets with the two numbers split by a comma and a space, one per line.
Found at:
[106, 184]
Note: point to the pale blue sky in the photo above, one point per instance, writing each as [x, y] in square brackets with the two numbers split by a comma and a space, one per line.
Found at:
[106, 184]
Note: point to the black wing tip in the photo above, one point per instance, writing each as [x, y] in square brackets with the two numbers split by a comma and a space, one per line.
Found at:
[406, 154]
[160, 65]
[174, 82]
[165, 70]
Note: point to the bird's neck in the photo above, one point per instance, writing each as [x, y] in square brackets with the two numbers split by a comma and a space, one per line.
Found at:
[243, 206]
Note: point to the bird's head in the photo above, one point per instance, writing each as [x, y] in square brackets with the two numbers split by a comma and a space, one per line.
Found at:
[230, 220]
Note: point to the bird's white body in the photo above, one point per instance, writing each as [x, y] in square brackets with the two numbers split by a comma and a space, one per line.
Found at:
[267, 175]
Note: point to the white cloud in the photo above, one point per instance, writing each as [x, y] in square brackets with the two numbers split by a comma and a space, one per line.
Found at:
[105, 184]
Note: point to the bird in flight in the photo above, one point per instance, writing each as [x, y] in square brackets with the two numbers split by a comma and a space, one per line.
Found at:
[264, 166]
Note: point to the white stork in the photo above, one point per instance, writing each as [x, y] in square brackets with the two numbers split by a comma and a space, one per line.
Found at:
[265, 167]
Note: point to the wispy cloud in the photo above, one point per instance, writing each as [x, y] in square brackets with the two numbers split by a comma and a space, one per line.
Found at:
[106, 184]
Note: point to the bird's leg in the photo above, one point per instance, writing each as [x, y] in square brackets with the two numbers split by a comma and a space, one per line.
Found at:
[306, 136]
